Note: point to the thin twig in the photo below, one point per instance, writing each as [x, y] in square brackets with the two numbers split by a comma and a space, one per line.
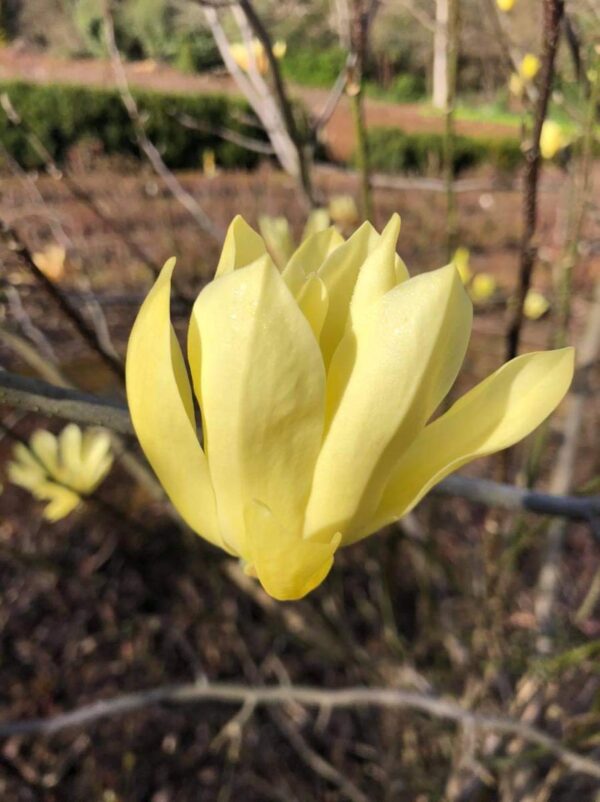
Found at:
[12, 240]
[345, 698]
[149, 148]
[553, 12]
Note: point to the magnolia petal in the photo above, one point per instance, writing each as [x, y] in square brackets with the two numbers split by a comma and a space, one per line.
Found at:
[309, 257]
[386, 379]
[317, 220]
[69, 451]
[160, 402]
[494, 415]
[378, 274]
[62, 501]
[45, 447]
[339, 273]
[25, 475]
[287, 566]
[262, 388]
[313, 300]
[242, 246]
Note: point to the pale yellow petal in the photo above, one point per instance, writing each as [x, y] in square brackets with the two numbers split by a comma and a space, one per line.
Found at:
[318, 220]
[378, 273]
[45, 447]
[339, 273]
[309, 257]
[277, 236]
[261, 393]
[385, 383]
[69, 454]
[494, 415]
[313, 301]
[242, 246]
[62, 502]
[287, 566]
[160, 402]
[24, 475]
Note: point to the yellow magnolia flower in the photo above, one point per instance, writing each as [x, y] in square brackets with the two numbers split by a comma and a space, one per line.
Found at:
[552, 139]
[316, 384]
[61, 469]
[247, 57]
[529, 67]
[505, 5]
[482, 287]
[461, 260]
[536, 305]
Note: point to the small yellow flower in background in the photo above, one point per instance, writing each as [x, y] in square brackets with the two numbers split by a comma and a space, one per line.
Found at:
[316, 384]
[505, 5]
[483, 287]
[279, 49]
[51, 261]
[529, 67]
[536, 305]
[552, 139]
[209, 163]
[461, 261]
[277, 234]
[342, 210]
[61, 469]
[246, 57]
[516, 85]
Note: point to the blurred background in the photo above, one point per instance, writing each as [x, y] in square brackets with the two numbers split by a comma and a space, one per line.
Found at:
[136, 130]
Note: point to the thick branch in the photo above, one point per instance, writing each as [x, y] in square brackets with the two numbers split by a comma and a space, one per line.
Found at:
[35, 395]
[345, 698]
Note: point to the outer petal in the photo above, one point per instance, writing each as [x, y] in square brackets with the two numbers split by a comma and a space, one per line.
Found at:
[241, 247]
[378, 274]
[160, 402]
[313, 300]
[45, 447]
[494, 415]
[385, 382]
[287, 566]
[262, 387]
[69, 451]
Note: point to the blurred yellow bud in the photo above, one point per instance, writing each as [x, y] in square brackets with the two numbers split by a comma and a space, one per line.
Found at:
[552, 139]
[461, 261]
[61, 469]
[505, 5]
[51, 261]
[316, 384]
[209, 163]
[482, 287]
[536, 305]
[277, 235]
[529, 67]
[342, 209]
[279, 49]
[516, 85]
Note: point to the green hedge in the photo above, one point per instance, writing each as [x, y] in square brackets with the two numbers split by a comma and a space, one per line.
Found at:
[63, 115]
[393, 151]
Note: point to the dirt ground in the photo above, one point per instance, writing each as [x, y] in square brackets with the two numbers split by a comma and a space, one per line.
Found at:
[338, 134]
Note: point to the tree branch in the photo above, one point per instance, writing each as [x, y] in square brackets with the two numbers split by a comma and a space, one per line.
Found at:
[345, 698]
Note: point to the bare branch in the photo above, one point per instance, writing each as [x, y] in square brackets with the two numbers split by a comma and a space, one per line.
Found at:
[35, 395]
[345, 698]
[149, 148]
